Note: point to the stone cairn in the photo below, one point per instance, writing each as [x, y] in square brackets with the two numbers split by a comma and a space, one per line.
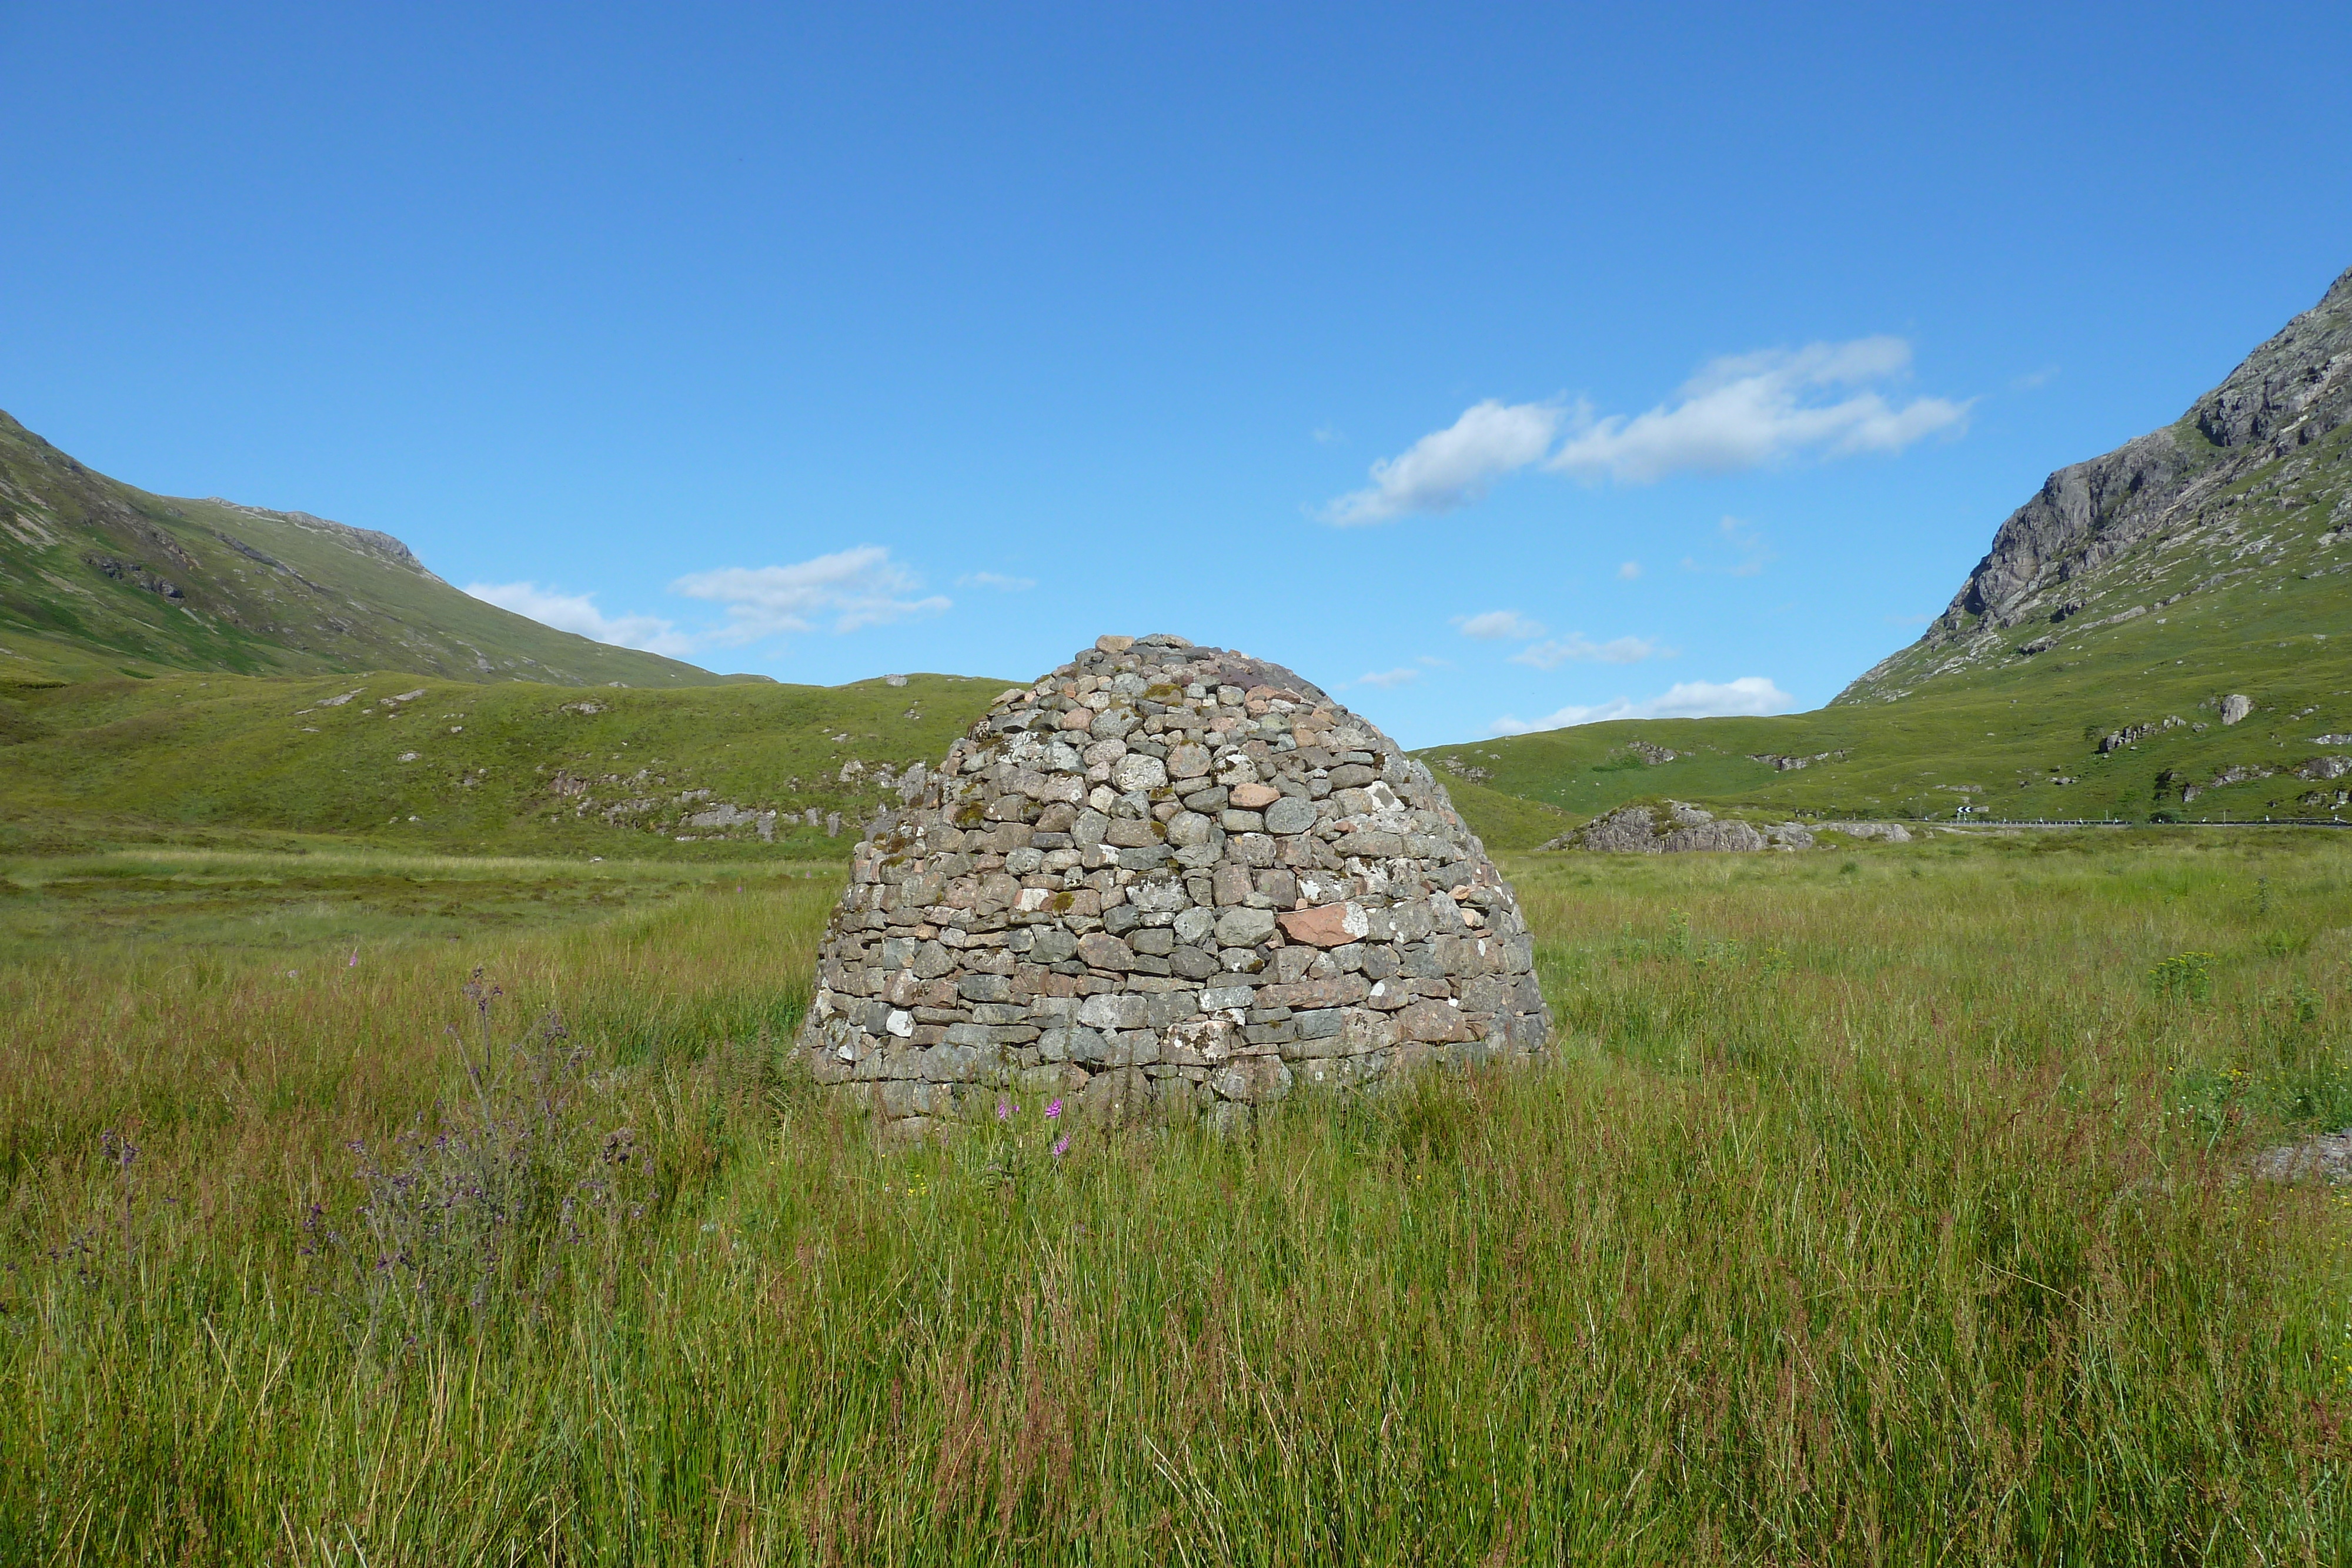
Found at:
[1165, 880]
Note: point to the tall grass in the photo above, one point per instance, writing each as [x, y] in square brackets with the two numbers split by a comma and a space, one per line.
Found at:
[1891, 1215]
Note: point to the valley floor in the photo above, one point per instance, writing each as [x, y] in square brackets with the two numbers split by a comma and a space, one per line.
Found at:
[1889, 1205]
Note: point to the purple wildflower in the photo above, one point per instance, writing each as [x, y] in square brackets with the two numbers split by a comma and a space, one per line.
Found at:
[1054, 1110]
[1062, 1148]
[1004, 1108]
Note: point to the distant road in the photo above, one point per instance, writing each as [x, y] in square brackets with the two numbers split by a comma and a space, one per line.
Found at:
[2112, 822]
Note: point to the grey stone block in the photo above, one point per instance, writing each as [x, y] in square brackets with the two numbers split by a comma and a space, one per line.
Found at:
[1244, 928]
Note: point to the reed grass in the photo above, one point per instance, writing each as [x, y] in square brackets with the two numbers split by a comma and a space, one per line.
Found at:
[1891, 1208]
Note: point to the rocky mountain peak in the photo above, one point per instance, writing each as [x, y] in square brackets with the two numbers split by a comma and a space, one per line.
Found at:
[2170, 514]
[2291, 382]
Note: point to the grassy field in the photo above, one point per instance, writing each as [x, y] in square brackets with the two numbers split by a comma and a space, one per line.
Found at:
[1881, 1206]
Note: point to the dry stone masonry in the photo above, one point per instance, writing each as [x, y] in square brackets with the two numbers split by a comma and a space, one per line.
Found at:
[1166, 880]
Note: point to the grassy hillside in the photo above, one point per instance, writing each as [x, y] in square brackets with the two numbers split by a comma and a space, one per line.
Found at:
[216, 759]
[2022, 741]
[99, 579]
[507, 768]
[1504, 821]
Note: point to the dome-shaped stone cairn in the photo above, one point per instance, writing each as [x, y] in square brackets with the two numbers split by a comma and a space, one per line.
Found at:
[1169, 880]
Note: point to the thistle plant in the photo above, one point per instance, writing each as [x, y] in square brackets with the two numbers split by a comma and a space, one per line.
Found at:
[474, 1205]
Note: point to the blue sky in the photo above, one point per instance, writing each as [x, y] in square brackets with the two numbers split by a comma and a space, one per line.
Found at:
[1491, 366]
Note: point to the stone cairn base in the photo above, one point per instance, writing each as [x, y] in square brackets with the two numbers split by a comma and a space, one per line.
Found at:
[1167, 881]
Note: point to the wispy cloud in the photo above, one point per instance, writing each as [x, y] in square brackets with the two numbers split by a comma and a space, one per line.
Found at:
[1751, 411]
[1754, 556]
[2033, 379]
[1750, 696]
[1498, 625]
[1577, 646]
[1630, 570]
[578, 612]
[853, 588]
[1330, 434]
[997, 580]
[1454, 467]
[1741, 412]
[1387, 679]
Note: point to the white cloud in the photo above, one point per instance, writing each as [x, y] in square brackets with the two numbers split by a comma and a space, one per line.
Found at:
[1748, 411]
[1630, 570]
[1386, 679]
[1498, 625]
[1452, 468]
[860, 586]
[997, 580]
[1749, 696]
[578, 612]
[1743, 411]
[1552, 655]
[1324, 434]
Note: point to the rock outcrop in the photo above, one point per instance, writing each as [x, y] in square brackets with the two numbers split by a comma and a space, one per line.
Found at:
[1672, 827]
[1166, 880]
[1676, 827]
[2296, 387]
[2236, 494]
[1890, 833]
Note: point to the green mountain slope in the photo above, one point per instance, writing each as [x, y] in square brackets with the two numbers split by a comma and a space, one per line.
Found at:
[2084, 668]
[97, 578]
[2238, 513]
[511, 765]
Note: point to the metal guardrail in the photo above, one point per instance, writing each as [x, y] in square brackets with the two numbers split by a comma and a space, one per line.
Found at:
[1973, 821]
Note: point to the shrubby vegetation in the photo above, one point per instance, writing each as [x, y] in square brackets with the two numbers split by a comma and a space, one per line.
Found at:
[1877, 1208]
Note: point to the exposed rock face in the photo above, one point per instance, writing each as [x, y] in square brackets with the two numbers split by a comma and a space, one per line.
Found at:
[1676, 827]
[1784, 764]
[2298, 384]
[2201, 504]
[2236, 706]
[1166, 879]
[1800, 835]
[2132, 735]
[1669, 829]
